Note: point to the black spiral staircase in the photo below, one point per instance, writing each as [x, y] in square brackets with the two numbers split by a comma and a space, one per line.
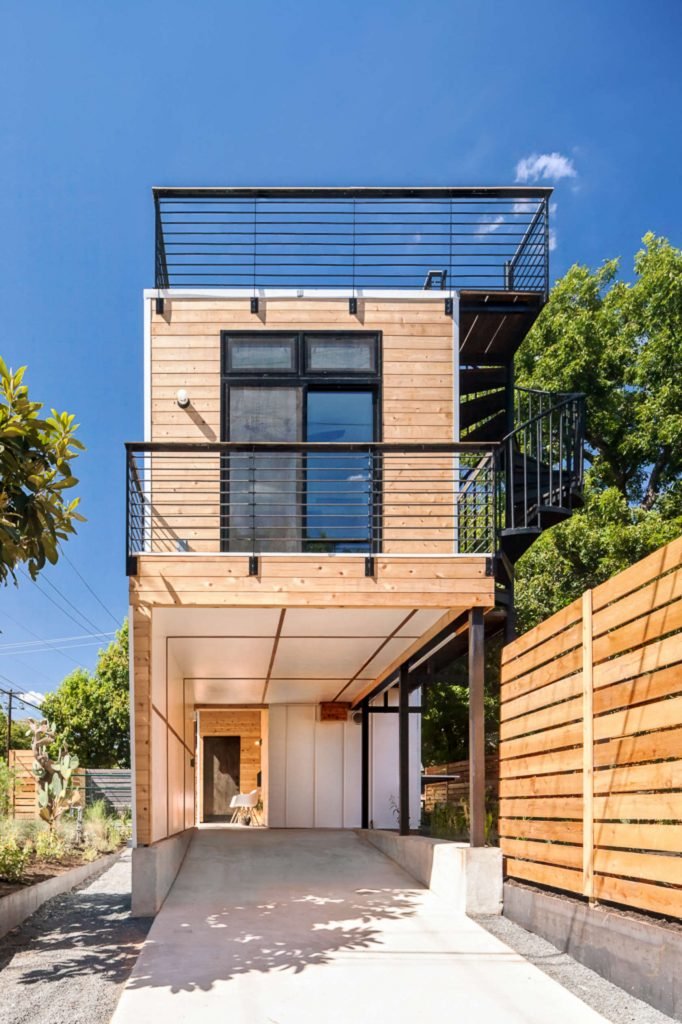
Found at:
[540, 458]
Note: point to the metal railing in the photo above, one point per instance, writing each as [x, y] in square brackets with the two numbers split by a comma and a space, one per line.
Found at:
[310, 498]
[540, 462]
[491, 239]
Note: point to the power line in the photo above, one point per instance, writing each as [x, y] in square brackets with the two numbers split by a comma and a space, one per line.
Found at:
[88, 587]
[58, 606]
[70, 603]
[17, 695]
[42, 650]
[55, 641]
[31, 633]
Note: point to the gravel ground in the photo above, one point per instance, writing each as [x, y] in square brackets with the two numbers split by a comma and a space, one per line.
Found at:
[68, 962]
[611, 1002]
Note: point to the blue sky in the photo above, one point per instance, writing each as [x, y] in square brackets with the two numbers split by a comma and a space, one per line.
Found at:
[100, 102]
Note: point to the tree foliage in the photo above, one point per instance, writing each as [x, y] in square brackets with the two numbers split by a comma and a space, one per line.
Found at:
[35, 472]
[20, 738]
[621, 344]
[92, 709]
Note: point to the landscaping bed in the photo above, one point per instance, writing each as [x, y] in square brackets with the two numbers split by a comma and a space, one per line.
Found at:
[31, 852]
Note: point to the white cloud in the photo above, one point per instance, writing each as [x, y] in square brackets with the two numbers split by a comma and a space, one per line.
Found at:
[357, 478]
[552, 240]
[34, 697]
[489, 224]
[545, 166]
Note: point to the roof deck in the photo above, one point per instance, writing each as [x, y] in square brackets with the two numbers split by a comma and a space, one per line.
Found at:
[466, 239]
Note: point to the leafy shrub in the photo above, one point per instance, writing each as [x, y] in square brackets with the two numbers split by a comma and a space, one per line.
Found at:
[50, 846]
[90, 853]
[13, 859]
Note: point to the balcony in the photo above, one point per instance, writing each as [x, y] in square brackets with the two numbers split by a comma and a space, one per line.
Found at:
[366, 499]
[482, 240]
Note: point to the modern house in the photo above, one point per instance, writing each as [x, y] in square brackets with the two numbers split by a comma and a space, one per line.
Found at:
[336, 479]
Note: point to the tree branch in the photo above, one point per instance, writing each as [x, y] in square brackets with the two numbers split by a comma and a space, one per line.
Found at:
[652, 487]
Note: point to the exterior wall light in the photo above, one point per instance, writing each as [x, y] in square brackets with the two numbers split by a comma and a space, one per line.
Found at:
[182, 398]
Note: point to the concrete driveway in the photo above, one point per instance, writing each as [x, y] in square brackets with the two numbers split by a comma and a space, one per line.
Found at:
[286, 927]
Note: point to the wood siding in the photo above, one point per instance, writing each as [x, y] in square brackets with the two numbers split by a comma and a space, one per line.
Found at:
[417, 359]
[591, 743]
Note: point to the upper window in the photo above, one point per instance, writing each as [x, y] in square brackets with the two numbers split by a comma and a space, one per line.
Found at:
[305, 355]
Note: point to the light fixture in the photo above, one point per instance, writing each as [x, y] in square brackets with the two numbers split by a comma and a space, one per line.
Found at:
[258, 743]
[182, 398]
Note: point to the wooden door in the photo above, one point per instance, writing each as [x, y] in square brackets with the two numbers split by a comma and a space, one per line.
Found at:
[221, 775]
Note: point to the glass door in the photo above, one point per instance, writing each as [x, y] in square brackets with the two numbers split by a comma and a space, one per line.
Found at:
[338, 505]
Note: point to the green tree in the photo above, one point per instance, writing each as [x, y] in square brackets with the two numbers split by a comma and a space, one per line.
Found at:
[621, 344]
[35, 471]
[445, 723]
[21, 734]
[91, 710]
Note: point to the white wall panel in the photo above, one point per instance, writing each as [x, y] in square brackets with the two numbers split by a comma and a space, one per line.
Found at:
[300, 765]
[352, 773]
[277, 741]
[329, 774]
[176, 783]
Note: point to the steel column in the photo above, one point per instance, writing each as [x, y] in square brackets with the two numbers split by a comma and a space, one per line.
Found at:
[476, 728]
[364, 771]
[404, 749]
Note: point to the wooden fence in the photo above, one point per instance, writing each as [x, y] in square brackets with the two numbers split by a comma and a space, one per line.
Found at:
[452, 791]
[113, 785]
[591, 743]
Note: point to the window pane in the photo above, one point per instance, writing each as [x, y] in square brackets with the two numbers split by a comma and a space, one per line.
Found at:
[339, 485]
[261, 354]
[353, 355]
[265, 488]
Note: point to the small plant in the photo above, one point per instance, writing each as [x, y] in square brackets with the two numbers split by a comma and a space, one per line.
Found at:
[7, 781]
[57, 792]
[50, 846]
[13, 859]
[90, 853]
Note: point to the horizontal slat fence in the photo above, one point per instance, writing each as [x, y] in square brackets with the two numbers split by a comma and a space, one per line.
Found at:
[591, 743]
[113, 785]
[452, 791]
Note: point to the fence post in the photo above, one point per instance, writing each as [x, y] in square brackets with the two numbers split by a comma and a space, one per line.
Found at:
[588, 750]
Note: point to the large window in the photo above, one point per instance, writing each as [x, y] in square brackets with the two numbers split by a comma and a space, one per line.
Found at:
[318, 388]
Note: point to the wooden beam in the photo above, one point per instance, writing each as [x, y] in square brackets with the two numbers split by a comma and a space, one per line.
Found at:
[588, 749]
[404, 749]
[476, 728]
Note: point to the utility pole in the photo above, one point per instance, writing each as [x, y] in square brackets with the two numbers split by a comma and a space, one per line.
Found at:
[9, 724]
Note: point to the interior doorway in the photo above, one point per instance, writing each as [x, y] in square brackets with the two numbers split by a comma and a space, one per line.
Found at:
[222, 755]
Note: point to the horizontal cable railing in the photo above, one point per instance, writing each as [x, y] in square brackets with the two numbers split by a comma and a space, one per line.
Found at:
[310, 498]
[439, 238]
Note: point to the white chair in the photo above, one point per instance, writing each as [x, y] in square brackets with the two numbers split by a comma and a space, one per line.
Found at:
[243, 805]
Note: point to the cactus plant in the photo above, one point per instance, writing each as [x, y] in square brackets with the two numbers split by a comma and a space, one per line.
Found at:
[57, 791]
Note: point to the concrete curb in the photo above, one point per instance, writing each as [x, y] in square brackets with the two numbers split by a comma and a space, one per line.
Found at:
[19, 905]
[639, 956]
[469, 878]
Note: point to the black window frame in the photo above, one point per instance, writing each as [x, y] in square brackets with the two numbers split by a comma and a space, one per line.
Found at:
[306, 380]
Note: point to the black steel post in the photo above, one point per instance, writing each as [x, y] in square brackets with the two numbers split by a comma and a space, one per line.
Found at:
[476, 728]
[404, 749]
[364, 771]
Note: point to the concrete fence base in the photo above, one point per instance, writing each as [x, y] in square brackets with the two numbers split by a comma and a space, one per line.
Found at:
[154, 870]
[19, 905]
[638, 955]
[469, 878]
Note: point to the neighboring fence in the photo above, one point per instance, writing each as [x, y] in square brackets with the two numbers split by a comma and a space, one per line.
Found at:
[453, 791]
[113, 785]
[110, 784]
[591, 743]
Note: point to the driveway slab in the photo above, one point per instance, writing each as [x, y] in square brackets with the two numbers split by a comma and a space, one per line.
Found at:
[290, 926]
